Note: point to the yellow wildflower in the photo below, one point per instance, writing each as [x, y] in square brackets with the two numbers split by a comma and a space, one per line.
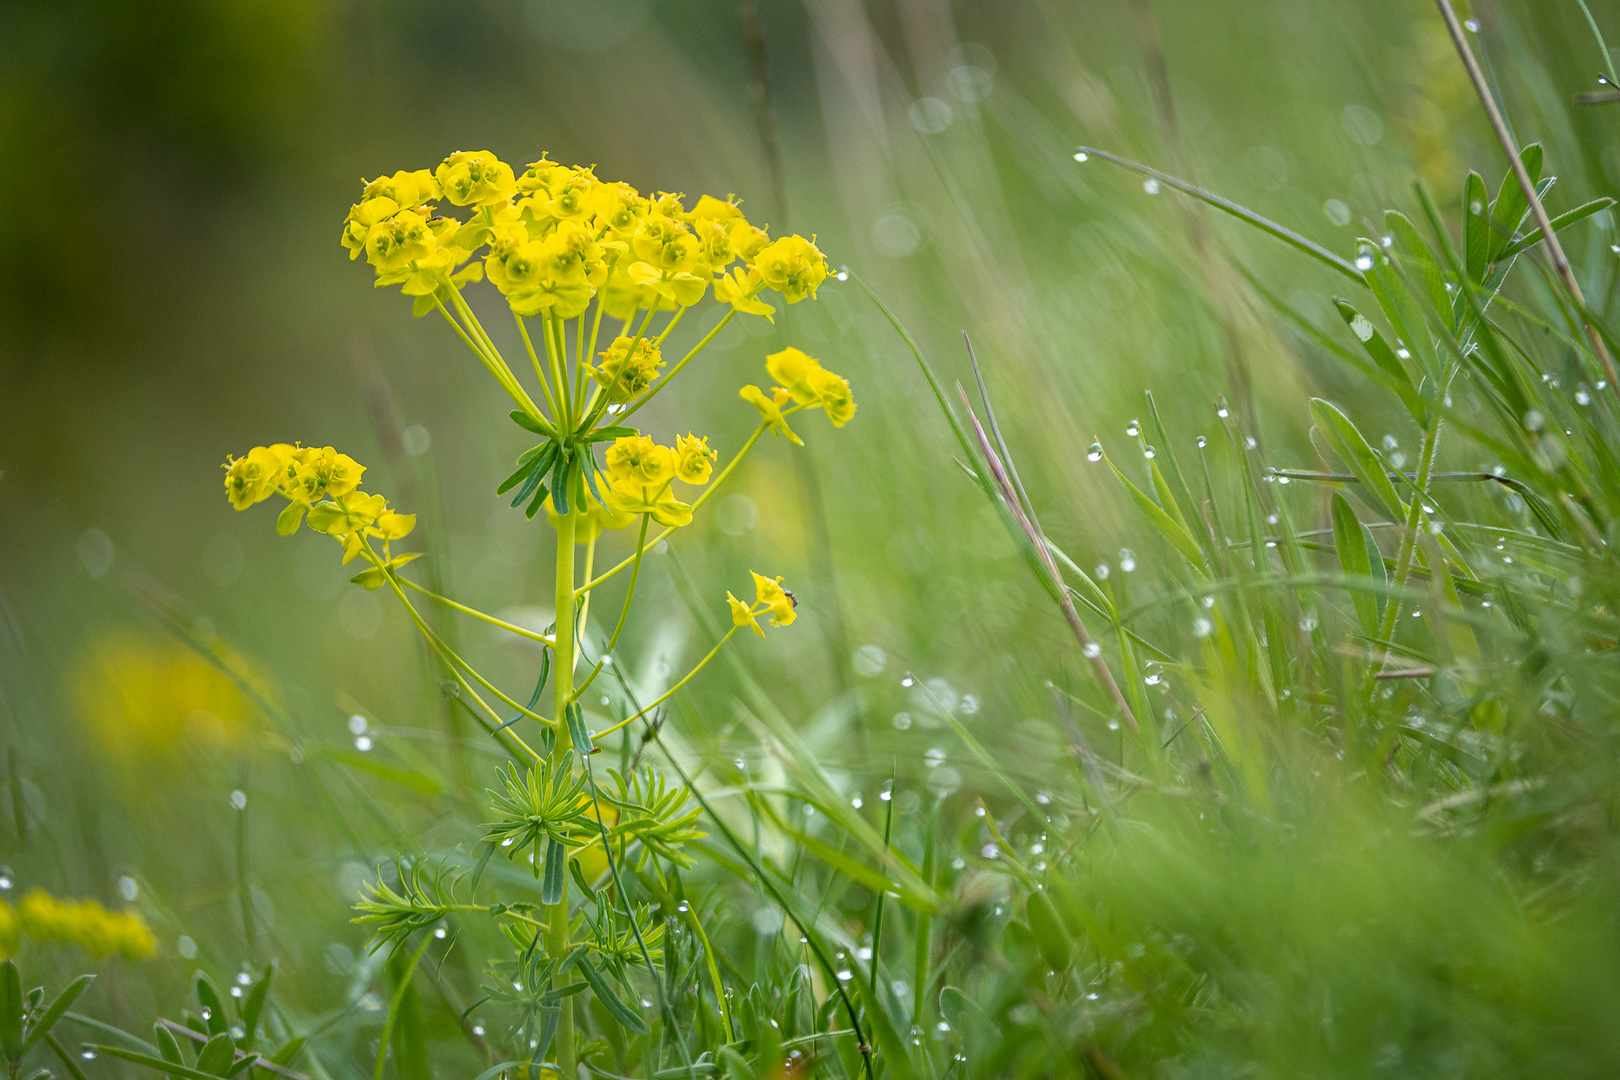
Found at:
[637, 458]
[812, 385]
[84, 922]
[407, 189]
[769, 599]
[793, 266]
[475, 178]
[834, 395]
[253, 478]
[314, 474]
[626, 372]
[363, 215]
[709, 208]
[741, 293]
[141, 695]
[693, 459]
[402, 239]
[539, 175]
[770, 409]
[628, 495]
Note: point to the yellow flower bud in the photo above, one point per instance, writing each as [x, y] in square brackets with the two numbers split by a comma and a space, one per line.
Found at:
[693, 459]
[475, 178]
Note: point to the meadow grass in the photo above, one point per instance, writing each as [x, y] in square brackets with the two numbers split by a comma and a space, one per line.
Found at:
[1245, 742]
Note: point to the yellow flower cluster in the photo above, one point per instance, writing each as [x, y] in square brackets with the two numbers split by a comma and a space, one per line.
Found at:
[769, 599]
[321, 483]
[142, 694]
[555, 236]
[804, 383]
[42, 917]
[641, 474]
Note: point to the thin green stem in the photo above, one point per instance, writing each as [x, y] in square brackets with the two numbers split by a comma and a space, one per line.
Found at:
[676, 370]
[624, 613]
[496, 367]
[1403, 560]
[563, 689]
[667, 694]
[475, 613]
[539, 372]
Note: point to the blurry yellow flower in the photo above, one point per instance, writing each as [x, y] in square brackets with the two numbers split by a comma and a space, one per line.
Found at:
[42, 917]
[475, 178]
[627, 495]
[770, 409]
[736, 289]
[407, 189]
[812, 385]
[625, 372]
[252, 478]
[402, 239]
[638, 459]
[793, 266]
[693, 459]
[835, 396]
[313, 474]
[769, 599]
[141, 694]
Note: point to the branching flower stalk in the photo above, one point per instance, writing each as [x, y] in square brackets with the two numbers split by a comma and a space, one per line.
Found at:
[563, 247]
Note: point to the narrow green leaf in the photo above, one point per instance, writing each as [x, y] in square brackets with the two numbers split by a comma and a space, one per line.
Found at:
[1353, 560]
[1559, 223]
[253, 1006]
[1418, 260]
[529, 423]
[1477, 241]
[288, 1051]
[63, 1002]
[1401, 308]
[1354, 450]
[1172, 531]
[11, 1011]
[368, 763]
[156, 1063]
[551, 888]
[1510, 206]
[610, 1000]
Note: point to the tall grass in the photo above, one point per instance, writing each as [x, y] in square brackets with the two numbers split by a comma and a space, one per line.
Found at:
[1273, 736]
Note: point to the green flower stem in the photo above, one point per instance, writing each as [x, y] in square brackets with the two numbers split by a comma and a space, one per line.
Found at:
[563, 689]
[559, 385]
[539, 372]
[475, 613]
[624, 613]
[659, 340]
[667, 694]
[491, 356]
[676, 370]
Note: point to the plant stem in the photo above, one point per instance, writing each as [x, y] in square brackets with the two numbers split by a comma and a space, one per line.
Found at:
[563, 689]
[1403, 561]
[667, 694]
[475, 613]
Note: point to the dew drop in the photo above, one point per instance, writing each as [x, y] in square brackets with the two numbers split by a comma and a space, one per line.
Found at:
[478, 1027]
[1151, 186]
[88, 1053]
[1133, 428]
[1081, 155]
[1095, 453]
[357, 724]
[6, 880]
[1476, 207]
[844, 974]
[1127, 560]
[243, 978]
[236, 991]
[239, 799]
[363, 743]
[1202, 627]
[1201, 441]
[441, 933]
[908, 680]
[958, 863]
[842, 275]
[1221, 412]
[1113, 725]
[1092, 650]
[1364, 262]
[934, 758]
[1148, 452]
[1472, 25]
[990, 851]
[1154, 679]
[857, 802]
[1249, 442]
[1582, 397]
[1102, 572]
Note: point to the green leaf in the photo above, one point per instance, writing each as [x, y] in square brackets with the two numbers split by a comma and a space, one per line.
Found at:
[253, 1006]
[551, 887]
[156, 1063]
[1350, 539]
[964, 1015]
[168, 1045]
[610, 1000]
[577, 731]
[1510, 206]
[216, 1057]
[63, 1002]
[374, 577]
[1173, 531]
[1559, 223]
[1051, 936]
[1354, 451]
[1401, 308]
[288, 1051]
[291, 516]
[1477, 241]
[1373, 342]
[11, 1011]
[1418, 260]
[529, 423]
[421, 305]
[241, 1065]
[559, 484]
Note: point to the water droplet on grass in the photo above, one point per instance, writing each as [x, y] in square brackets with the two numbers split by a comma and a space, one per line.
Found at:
[1081, 155]
[239, 799]
[1092, 650]
[1202, 627]
[1221, 412]
[1095, 453]
[1127, 560]
[363, 743]
[1201, 442]
[1151, 186]
[1364, 262]
[1133, 428]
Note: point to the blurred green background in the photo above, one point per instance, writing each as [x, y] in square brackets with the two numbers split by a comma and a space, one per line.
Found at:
[172, 291]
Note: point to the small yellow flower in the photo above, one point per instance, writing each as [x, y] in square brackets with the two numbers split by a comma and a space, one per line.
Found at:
[253, 478]
[793, 266]
[401, 240]
[627, 495]
[812, 385]
[709, 208]
[475, 178]
[636, 458]
[738, 291]
[314, 474]
[407, 189]
[625, 372]
[362, 217]
[693, 459]
[770, 409]
[769, 599]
